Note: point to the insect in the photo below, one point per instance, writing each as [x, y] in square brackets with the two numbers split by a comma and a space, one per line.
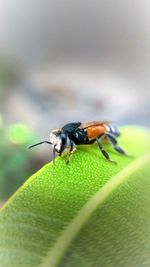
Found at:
[77, 133]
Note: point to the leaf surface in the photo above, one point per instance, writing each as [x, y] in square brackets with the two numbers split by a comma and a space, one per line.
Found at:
[88, 213]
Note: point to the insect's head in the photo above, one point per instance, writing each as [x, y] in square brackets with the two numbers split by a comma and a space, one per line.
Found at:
[57, 140]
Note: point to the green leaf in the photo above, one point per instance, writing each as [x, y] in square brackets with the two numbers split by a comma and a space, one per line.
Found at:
[89, 213]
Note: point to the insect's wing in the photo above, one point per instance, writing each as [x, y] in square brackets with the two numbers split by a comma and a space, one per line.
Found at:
[93, 123]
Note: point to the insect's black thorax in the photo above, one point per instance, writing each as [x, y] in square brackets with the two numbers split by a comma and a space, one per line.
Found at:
[75, 133]
[79, 137]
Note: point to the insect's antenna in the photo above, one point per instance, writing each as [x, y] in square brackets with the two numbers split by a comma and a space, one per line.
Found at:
[47, 142]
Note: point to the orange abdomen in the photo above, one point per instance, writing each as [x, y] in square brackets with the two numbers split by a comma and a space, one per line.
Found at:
[95, 131]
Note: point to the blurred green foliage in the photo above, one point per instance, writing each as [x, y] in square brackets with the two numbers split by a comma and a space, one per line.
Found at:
[15, 159]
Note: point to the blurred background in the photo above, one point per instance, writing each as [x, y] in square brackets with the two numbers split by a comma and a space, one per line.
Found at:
[63, 61]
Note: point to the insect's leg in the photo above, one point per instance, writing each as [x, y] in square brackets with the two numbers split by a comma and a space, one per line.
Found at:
[54, 155]
[113, 142]
[106, 155]
[71, 150]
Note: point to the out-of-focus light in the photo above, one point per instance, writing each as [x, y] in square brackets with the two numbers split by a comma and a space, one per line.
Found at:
[18, 134]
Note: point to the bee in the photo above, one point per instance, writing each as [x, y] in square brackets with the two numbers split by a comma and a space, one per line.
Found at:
[77, 133]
